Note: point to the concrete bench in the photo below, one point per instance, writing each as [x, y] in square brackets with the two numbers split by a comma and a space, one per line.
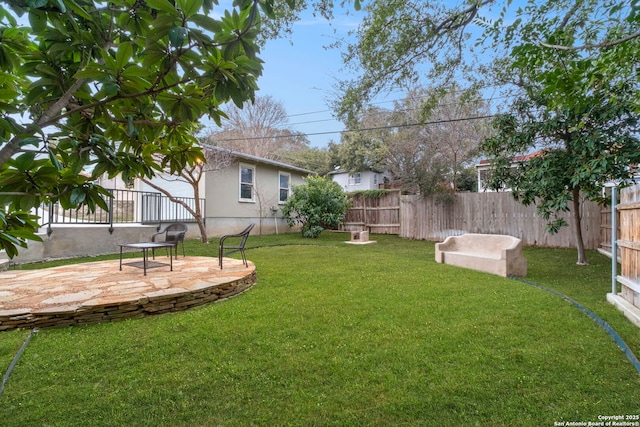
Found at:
[492, 253]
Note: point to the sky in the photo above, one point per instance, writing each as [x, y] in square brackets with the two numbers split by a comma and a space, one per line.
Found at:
[300, 72]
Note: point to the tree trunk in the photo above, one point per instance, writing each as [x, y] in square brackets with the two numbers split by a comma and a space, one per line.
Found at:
[577, 221]
[203, 230]
[197, 214]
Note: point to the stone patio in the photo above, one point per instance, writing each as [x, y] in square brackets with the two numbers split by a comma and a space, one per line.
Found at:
[99, 292]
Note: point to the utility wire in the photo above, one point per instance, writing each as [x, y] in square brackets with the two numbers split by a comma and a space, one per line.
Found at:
[407, 125]
[397, 100]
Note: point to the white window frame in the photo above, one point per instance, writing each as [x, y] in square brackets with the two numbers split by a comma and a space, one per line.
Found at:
[355, 179]
[288, 175]
[242, 166]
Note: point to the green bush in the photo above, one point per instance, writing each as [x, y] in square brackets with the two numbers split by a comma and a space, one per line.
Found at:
[318, 204]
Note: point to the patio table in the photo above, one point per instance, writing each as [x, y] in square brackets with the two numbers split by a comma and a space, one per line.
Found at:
[145, 246]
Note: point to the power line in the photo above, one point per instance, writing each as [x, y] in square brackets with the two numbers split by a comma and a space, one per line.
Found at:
[409, 109]
[312, 121]
[363, 129]
[399, 99]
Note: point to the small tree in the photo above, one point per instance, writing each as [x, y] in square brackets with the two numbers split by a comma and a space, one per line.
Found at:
[577, 105]
[214, 160]
[318, 204]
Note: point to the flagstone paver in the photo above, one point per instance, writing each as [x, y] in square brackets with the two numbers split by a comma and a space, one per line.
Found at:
[99, 292]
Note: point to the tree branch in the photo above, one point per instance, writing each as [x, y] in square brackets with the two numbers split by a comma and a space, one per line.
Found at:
[590, 46]
[170, 197]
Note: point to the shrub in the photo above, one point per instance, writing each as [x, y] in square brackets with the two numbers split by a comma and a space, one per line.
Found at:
[318, 204]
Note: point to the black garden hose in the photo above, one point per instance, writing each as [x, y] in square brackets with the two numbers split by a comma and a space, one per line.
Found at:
[604, 325]
[15, 360]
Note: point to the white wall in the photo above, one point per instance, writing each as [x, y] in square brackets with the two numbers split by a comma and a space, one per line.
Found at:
[369, 180]
[226, 213]
[71, 241]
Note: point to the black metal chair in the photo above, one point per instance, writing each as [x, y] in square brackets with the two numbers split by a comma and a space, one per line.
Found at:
[243, 235]
[173, 233]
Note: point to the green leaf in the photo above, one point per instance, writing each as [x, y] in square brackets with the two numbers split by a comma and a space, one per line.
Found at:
[78, 10]
[29, 202]
[189, 7]
[91, 74]
[123, 55]
[37, 20]
[25, 233]
[135, 71]
[177, 36]
[207, 23]
[77, 196]
[54, 160]
[61, 5]
[163, 6]
[24, 161]
[111, 88]
[37, 3]
[131, 127]
[267, 8]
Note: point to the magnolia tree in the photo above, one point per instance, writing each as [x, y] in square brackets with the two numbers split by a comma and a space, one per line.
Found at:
[106, 87]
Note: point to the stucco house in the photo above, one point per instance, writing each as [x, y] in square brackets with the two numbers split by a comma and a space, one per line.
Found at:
[243, 189]
[358, 181]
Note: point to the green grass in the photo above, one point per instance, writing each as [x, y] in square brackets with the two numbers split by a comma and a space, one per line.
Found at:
[336, 334]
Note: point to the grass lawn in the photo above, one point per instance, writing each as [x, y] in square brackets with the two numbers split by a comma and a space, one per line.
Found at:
[343, 335]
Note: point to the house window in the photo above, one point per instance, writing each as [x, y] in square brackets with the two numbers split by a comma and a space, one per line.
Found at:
[247, 178]
[354, 179]
[284, 180]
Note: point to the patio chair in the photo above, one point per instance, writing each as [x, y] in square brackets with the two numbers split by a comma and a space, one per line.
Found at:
[243, 235]
[173, 233]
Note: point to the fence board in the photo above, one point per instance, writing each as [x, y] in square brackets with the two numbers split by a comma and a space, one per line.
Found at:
[629, 244]
[379, 214]
[425, 218]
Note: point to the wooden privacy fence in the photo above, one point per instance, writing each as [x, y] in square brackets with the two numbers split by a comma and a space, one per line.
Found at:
[629, 244]
[375, 214]
[425, 218]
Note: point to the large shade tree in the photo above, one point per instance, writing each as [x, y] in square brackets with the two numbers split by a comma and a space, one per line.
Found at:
[110, 87]
[577, 102]
[436, 140]
[571, 67]
[364, 146]
[259, 128]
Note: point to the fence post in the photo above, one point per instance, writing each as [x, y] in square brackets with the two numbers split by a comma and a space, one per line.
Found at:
[614, 242]
[49, 229]
[110, 213]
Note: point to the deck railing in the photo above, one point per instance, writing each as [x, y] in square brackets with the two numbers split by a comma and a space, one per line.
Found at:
[126, 206]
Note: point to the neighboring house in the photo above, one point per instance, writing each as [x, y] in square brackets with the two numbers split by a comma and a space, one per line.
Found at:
[358, 181]
[248, 189]
[484, 168]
